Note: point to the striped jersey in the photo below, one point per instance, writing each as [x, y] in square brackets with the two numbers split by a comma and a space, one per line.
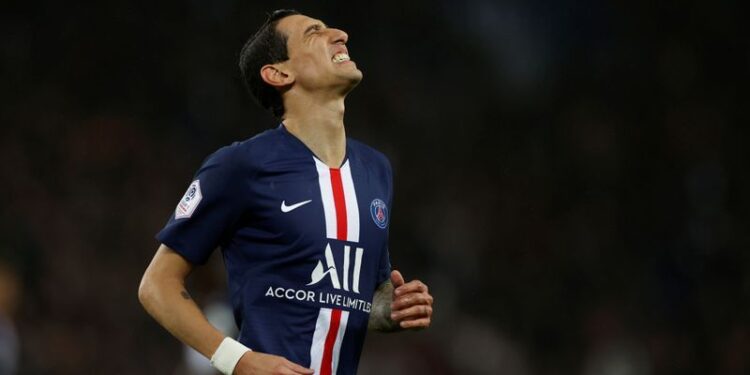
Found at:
[304, 245]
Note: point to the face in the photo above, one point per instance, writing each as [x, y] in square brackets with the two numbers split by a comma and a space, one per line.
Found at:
[318, 57]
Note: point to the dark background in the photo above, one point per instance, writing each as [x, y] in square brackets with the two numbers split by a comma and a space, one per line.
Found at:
[570, 177]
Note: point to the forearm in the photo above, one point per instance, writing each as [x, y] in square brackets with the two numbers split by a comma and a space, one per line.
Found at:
[170, 304]
[380, 315]
[167, 301]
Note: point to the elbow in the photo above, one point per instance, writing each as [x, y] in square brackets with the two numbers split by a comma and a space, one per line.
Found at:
[146, 291]
[162, 280]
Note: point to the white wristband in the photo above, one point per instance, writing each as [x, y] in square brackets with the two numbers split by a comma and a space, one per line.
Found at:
[227, 355]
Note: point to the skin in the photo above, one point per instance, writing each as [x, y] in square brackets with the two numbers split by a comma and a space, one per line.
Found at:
[313, 88]
[162, 293]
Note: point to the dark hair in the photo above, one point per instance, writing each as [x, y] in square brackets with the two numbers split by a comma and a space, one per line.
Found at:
[267, 46]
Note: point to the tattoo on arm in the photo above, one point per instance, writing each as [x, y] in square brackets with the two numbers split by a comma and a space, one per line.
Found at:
[185, 294]
[380, 315]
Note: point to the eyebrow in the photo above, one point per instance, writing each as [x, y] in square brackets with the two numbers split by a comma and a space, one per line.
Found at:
[314, 26]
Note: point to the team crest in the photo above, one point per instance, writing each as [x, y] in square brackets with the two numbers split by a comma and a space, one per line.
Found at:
[189, 201]
[379, 212]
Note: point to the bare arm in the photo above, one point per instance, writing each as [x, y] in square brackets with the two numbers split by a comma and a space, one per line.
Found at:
[398, 305]
[162, 293]
[380, 315]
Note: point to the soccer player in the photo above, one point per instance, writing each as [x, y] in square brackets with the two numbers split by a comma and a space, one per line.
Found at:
[301, 214]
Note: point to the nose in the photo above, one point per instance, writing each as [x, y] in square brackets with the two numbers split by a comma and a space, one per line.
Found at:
[339, 36]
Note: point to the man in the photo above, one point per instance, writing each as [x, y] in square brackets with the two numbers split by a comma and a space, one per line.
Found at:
[301, 214]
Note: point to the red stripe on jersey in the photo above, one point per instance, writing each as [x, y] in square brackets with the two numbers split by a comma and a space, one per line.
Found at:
[333, 330]
[340, 203]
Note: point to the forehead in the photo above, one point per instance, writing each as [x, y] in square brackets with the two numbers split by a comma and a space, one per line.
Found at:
[295, 25]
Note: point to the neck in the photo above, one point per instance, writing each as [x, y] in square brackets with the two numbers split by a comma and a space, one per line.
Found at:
[320, 126]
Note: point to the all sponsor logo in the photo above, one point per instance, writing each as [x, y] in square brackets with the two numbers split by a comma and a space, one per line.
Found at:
[320, 271]
[344, 278]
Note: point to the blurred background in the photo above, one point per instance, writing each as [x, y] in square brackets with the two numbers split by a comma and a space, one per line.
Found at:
[570, 177]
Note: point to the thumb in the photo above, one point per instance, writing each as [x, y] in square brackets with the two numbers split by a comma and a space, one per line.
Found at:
[396, 279]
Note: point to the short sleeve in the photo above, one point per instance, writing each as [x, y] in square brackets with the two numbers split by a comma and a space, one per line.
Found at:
[208, 212]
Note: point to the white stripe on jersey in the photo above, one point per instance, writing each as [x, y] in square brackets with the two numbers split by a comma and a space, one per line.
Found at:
[352, 209]
[326, 195]
[317, 349]
[319, 339]
[339, 340]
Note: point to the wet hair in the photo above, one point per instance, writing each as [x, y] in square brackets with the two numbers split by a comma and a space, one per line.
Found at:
[267, 46]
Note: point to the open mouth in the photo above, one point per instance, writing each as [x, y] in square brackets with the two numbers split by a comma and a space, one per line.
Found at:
[340, 57]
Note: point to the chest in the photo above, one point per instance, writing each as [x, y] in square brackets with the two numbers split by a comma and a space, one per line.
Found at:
[306, 206]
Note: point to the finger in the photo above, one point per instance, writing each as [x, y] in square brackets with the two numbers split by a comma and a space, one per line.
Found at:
[397, 279]
[289, 371]
[411, 287]
[411, 313]
[298, 369]
[411, 299]
[417, 323]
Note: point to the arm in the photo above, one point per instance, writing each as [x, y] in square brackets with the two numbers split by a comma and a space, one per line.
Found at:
[398, 305]
[380, 316]
[162, 293]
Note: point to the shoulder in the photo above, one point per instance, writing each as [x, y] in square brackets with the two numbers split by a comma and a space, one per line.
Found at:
[369, 155]
[246, 155]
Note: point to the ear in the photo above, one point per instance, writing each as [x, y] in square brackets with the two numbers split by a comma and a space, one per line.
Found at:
[276, 76]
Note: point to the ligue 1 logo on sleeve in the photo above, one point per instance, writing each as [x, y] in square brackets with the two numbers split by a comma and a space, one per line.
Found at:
[379, 212]
[189, 201]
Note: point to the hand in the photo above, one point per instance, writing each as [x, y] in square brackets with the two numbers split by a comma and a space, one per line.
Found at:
[412, 303]
[254, 363]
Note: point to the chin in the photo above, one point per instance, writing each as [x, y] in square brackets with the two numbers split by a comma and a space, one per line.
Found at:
[357, 75]
[352, 78]
[355, 80]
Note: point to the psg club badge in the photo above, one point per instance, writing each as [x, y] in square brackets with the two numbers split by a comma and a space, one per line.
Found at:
[189, 201]
[379, 213]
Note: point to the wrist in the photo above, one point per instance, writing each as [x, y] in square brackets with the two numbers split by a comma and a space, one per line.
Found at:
[227, 355]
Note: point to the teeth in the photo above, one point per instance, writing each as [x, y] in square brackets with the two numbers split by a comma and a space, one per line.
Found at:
[340, 57]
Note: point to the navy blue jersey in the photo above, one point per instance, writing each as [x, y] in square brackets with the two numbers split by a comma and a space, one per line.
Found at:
[305, 245]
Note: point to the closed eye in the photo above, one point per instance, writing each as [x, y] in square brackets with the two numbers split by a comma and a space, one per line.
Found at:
[313, 28]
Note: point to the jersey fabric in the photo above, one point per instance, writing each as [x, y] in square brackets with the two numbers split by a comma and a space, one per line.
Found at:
[304, 245]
